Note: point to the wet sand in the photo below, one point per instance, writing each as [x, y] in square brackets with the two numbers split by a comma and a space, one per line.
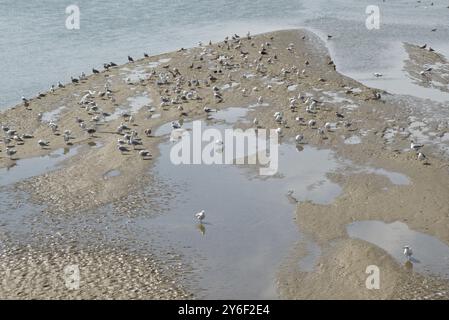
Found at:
[374, 132]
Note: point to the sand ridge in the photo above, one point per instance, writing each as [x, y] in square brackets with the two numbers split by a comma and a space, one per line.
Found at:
[285, 73]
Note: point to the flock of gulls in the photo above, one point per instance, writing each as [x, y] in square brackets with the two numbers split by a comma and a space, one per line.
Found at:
[177, 94]
[94, 115]
[176, 89]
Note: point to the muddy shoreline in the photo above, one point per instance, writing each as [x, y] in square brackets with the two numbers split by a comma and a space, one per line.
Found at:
[373, 132]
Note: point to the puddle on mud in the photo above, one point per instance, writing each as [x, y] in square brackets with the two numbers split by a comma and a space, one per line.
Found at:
[249, 225]
[95, 144]
[155, 64]
[430, 255]
[353, 140]
[52, 115]
[308, 263]
[31, 167]
[135, 104]
[111, 174]
[249, 218]
[395, 178]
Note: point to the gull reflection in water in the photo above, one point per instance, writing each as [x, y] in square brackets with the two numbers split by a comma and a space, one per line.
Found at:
[201, 228]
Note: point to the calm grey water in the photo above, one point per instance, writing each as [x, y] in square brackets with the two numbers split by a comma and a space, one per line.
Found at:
[36, 50]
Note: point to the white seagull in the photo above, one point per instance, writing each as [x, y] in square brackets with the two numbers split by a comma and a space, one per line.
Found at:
[256, 122]
[200, 215]
[10, 152]
[415, 146]
[43, 143]
[408, 252]
[144, 154]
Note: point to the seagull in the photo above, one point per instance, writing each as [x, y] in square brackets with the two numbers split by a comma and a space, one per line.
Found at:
[327, 126]
[256, 122]
[130, 59]
[415, 146]
[299, 138]
[95, 71]
[145, 55]
[43, 143]
[148, 132]
[66, 138]
[10, 152]
[339, 115]
[144, 154]
[279, 131]
[200, 215]
[260, 100]
[134, 142]
[60, 85]
[218, 97]
[377, 74]
[91, 131]
[122, 148]
[408, 252]
[74, 80]
[312, 123]
[175, 125]
[207, 110]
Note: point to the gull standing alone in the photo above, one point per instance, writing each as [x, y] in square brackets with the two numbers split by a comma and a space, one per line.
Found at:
[200, 215]
[408, 252]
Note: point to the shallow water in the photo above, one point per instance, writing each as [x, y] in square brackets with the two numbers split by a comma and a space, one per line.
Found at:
[52, 115]
[135, 104]
[27, 168]
[353, 140]
[112, 174]
[110, 30]
[430, 255]
[395, 178]
[245, 212]
[249, 225]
